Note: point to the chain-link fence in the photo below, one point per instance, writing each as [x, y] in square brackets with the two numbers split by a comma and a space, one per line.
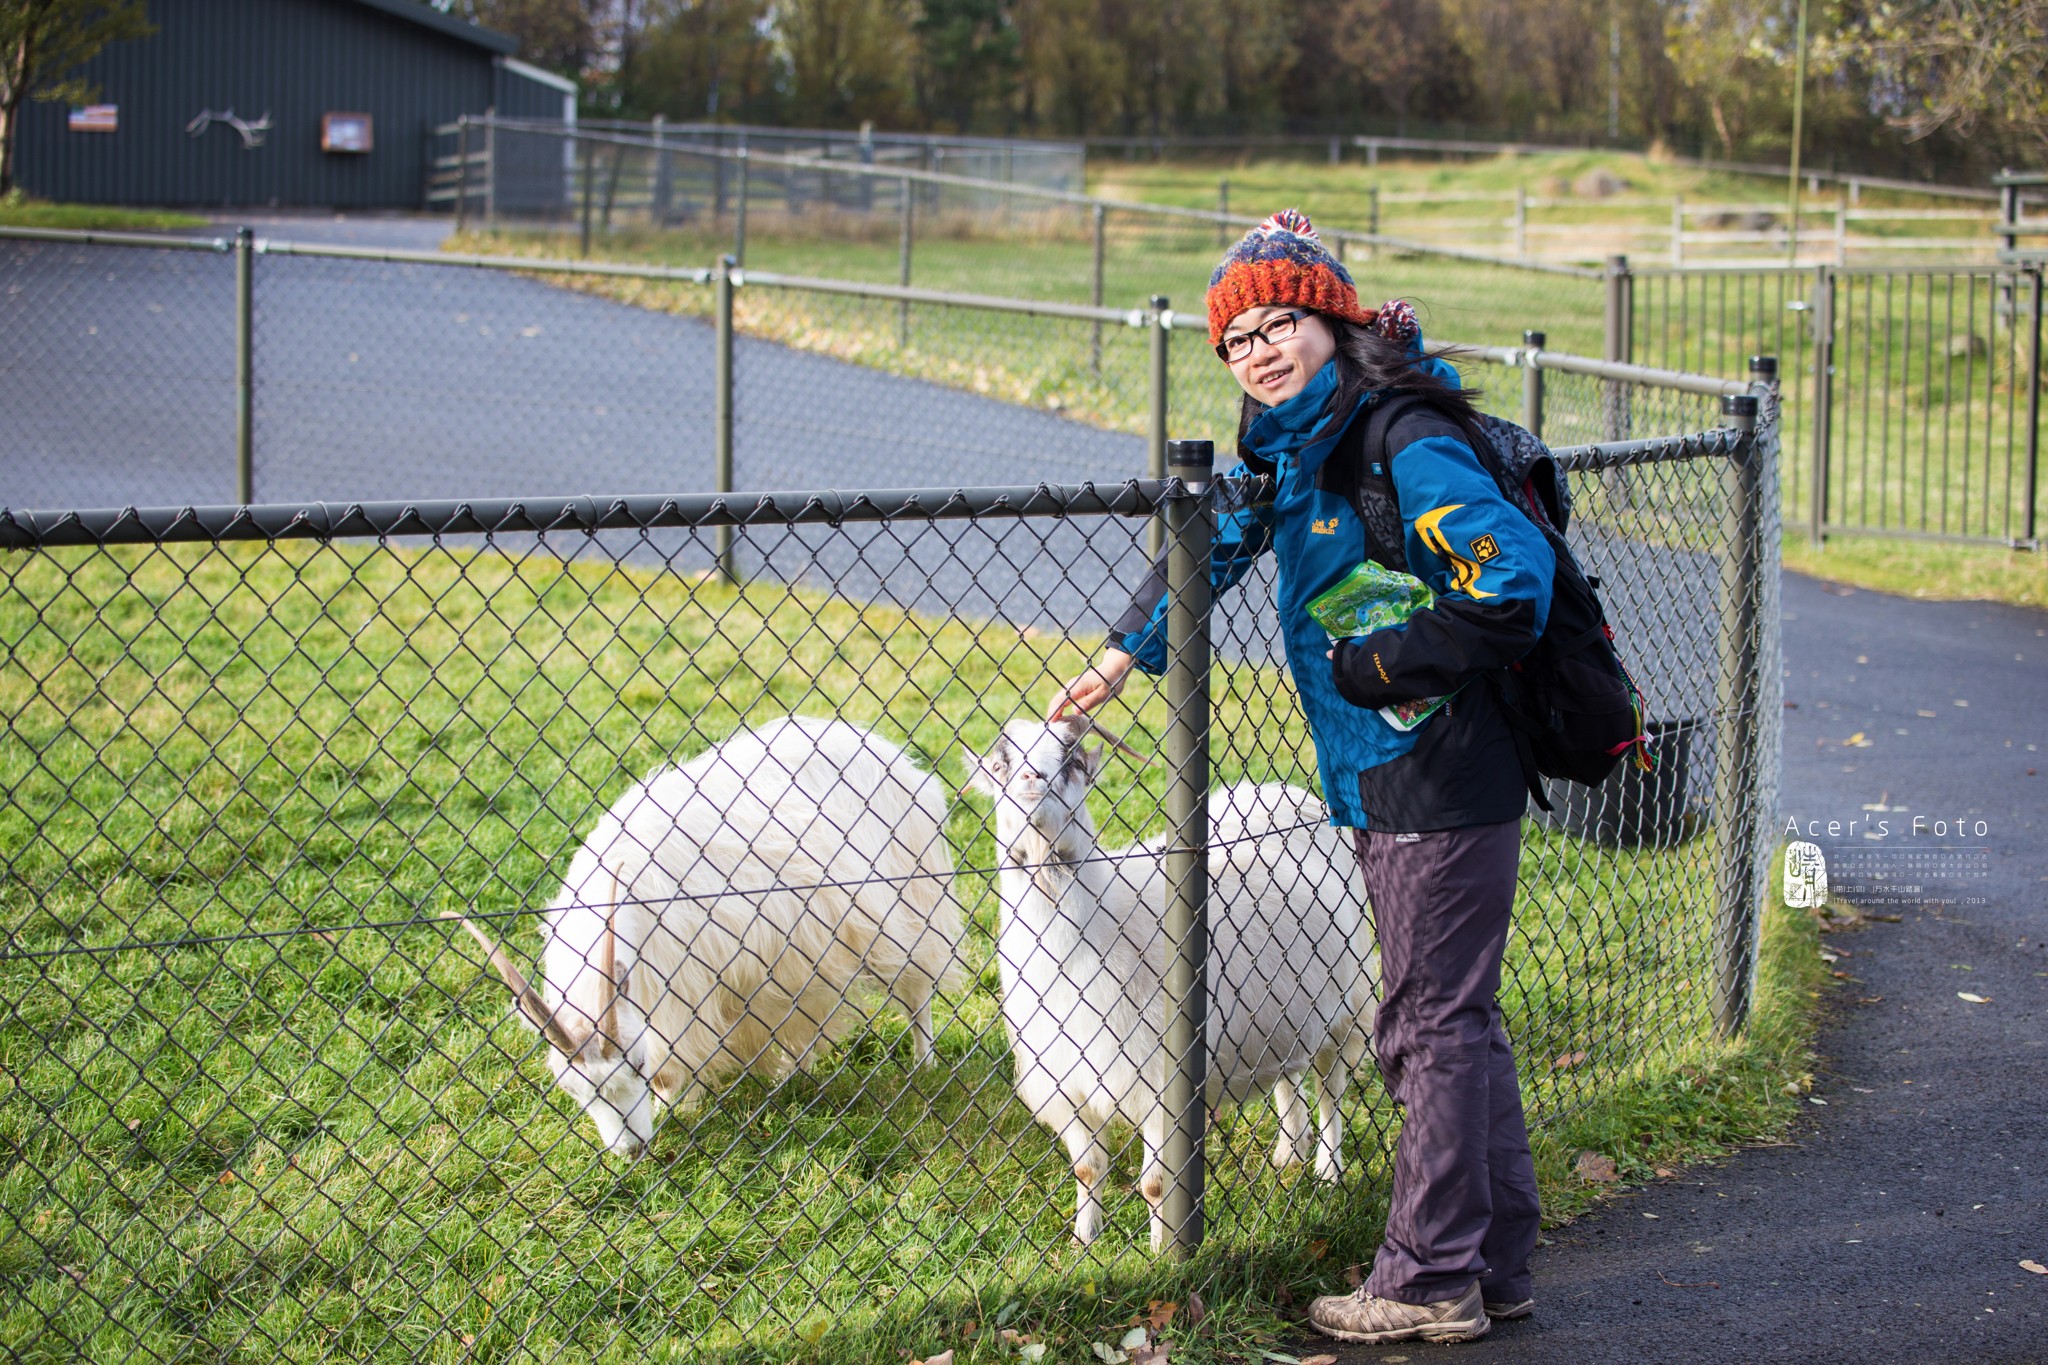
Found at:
[160, 370]
[266, 1098]
[970, 227]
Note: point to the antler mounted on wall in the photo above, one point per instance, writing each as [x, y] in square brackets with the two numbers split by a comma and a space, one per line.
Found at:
[252, 133]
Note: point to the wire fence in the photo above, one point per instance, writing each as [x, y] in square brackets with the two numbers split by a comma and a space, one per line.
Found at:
[808, 980]
[955, 225]
[164, 370]
[1913, 396]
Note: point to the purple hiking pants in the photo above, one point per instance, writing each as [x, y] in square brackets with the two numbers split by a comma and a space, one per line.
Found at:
[1464, 1202]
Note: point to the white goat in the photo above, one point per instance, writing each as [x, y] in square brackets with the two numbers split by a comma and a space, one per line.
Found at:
[1292, 971]
[720, 912]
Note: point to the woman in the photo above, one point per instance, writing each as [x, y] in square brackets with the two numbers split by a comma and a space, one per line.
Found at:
[1436, 812]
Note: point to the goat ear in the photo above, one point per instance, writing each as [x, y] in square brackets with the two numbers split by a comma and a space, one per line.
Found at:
[1091, 760]
[992, 769]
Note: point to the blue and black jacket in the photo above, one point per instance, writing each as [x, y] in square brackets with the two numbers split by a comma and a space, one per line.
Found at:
[1489, 566]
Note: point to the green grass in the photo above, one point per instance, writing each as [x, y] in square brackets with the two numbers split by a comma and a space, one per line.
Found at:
[1948, 573]
[17, 210]
[331, 1141]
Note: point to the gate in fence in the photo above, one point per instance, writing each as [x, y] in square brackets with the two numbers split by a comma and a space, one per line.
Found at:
[267, 1097]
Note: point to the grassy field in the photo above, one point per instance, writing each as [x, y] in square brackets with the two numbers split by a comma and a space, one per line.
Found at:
[1949, 573]
[260, 1103]
[17, 210]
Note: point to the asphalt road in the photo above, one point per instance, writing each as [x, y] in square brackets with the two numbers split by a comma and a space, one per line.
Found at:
[1892, 1227]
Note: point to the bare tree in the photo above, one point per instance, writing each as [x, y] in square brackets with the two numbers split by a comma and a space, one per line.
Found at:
[1959, 65]
[42, 45]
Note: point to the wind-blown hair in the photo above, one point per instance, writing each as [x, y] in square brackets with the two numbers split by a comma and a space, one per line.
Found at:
[1370, 363]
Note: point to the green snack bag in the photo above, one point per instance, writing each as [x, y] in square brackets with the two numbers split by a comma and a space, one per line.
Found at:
[1369, 598]
[1372, 597]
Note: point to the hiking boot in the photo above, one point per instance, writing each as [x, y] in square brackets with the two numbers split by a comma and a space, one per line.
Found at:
[1363, 1317]
[1501, 1310]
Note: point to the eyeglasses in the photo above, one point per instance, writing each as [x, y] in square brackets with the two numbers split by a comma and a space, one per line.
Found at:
[1232, 349]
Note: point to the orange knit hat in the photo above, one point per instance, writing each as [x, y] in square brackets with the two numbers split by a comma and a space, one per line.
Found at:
[1282, 261]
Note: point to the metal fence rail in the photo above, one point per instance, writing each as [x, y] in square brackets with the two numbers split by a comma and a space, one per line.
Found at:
[166, 370]
[1913, 396]
[265, 1098]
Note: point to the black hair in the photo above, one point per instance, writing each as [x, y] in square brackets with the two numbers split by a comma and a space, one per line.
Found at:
[1368, 363]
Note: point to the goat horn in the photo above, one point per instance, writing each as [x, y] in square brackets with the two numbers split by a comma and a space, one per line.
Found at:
[1118, 741]
[524, 996]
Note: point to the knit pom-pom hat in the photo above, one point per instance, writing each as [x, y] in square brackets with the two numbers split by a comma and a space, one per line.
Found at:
[1282, 261]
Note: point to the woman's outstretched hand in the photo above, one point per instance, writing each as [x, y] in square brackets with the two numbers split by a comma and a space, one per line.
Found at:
[1098, 685]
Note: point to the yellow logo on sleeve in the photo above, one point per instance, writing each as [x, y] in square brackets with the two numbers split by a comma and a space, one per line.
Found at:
[1485, 548]
[1464, 572]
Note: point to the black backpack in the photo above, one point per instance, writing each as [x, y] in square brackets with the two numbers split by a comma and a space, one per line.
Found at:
[1574, 710]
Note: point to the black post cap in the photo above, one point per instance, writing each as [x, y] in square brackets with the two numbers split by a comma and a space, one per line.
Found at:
[1191, 454]
[1535, 339]
[1764, 366]
[1739, 405]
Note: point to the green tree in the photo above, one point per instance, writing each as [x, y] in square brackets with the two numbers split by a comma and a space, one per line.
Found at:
[849, 60]
[42, 45]
[968, 60]
[707, 59]
[1962, 67]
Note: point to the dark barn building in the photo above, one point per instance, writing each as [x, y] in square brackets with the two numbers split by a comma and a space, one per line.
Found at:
[322, 103]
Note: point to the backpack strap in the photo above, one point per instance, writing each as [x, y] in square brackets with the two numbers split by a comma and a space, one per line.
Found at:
[1373, 490]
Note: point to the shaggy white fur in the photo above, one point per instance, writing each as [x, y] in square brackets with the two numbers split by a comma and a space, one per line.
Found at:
[1292, 969]
[721, 913]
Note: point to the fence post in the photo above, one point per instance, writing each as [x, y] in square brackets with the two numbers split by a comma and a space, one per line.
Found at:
[461, 174]
[1678, 232]
[1155, 459]
[1615, 347]
[245, 366]
[722, 385]
[491, 169]
[2032, 493]
[589, 175]
[1521, 224]
[663, 190]
[1372, 216]
[1823, 397]
[1842, 230]
[1736, 691]
[1532, 383]
[1222, 214]
[1190, 524]
[739, 227]
[1095, 291]
[903, 265]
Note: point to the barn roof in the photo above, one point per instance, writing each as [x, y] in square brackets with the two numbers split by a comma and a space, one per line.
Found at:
[428, 17]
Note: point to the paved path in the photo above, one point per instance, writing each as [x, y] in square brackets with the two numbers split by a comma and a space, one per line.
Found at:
[1892, 1228]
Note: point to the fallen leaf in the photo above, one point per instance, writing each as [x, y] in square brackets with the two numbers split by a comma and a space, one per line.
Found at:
[1134, 1338]
[1665, 1173]
[1973, 997]
[1596, 1168]
[1651, 1216]
[1319, 1360]
[942, 1358]
[1565, 1061]
[1319, 1248]
[1354, 1275]
[227, 1177]
[1008, 1312]
[1856, 741]
[1159, 1314]
[1151, 1355]
[1106, 1353]
[2034, 1267]
[1031, 1350]
[1197, 1310]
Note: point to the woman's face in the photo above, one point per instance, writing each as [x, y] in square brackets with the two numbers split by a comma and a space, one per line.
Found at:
[1275, 371]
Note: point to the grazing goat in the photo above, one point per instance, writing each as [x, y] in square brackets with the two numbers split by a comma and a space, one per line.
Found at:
[721, 911]
[1291, 967]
